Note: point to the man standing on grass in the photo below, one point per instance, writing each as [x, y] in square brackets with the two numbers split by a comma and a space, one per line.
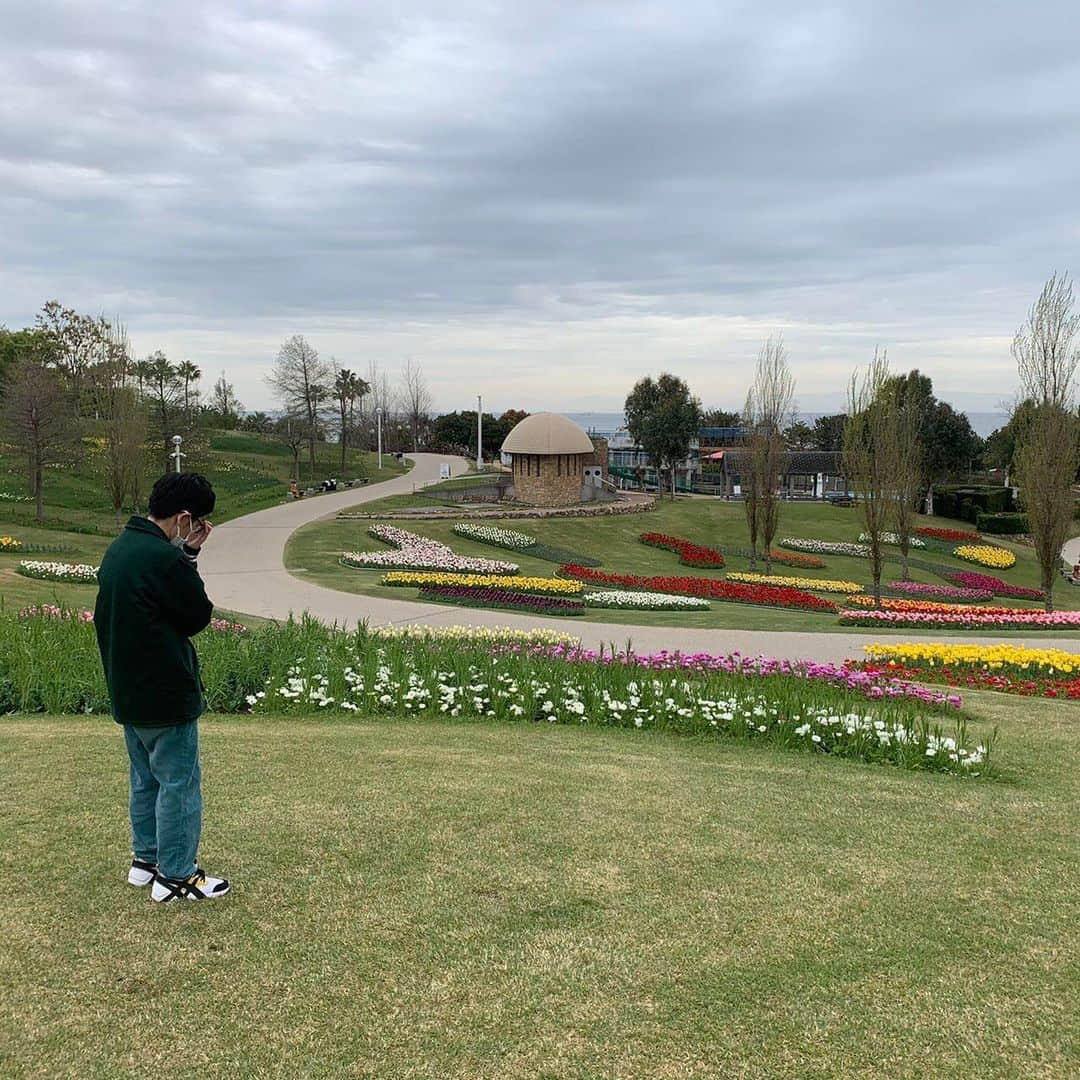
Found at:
[150, 601]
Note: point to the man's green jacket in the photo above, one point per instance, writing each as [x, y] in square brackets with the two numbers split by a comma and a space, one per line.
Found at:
[150, 601]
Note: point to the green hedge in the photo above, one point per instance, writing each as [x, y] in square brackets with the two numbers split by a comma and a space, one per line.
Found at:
[1002, 524]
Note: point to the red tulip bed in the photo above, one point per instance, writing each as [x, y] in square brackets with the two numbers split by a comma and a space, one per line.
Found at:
[968, 579]
[962, 676]
[696, 555]
[957, 536]
[710, 589]
[502, 599]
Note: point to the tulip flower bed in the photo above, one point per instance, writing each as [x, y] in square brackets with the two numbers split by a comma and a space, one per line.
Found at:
[1007, 669]
[643, 601]
[986, 555]
[968, 619]
[501, 599]
[825, 547]
[818, 584]
[301, 668]
[473, 636]
[908, 604]
[536, 585]
[521, 542]
[869, 685]
[893, 540]
[75, 573]
[690, 554]
[419, 553]
[10, 544]
[707, 588]
[968, 579]
[54, 611]
[927, 591]
[956, 536]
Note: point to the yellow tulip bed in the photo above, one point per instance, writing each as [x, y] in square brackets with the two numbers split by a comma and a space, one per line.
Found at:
[9, 543]
[1009, 669]
[986, 555]
[813, 584]
[537, 585]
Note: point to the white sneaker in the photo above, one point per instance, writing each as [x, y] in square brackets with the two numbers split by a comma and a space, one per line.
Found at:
[141, 873]
[199, 886]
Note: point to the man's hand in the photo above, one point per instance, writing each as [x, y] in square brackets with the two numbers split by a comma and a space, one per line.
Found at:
[200, 535]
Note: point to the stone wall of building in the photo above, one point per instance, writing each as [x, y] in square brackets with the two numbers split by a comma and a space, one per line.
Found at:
[548, 479]
[599, 456]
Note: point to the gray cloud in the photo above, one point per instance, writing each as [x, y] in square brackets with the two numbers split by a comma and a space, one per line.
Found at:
[611, 186]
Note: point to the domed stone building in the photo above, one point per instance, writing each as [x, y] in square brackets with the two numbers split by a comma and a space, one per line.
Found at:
[553, 461]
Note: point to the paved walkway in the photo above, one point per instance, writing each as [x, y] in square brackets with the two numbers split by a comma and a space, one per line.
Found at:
[244, 571]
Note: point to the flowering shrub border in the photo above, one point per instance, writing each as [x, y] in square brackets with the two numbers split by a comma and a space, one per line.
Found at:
[690, 554]
[708, 588]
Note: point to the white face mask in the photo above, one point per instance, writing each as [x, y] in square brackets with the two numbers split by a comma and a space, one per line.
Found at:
[178, 540]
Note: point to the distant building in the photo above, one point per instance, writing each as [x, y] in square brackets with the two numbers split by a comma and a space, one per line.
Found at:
[804, 474]
[553, 462]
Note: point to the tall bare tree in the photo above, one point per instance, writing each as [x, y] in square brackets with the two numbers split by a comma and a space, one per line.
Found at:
[292, 432]
[36, 416]
[869, 455]
[415, 400]
[911, 403]
[302, 382]
[768, 410]
[382, 399]
[123, 420]
[1047, 353]
[225, 402]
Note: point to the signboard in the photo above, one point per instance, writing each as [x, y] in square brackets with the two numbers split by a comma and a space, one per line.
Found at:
[444, 470]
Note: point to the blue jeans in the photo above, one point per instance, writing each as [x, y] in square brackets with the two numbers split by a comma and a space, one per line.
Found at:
[166, 801]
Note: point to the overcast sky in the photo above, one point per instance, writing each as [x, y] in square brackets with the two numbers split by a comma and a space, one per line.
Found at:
[543, 201]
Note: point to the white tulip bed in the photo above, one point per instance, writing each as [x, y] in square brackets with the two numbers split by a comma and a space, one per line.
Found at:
[415, 552]
[643, 601]
[77, 573]
[489, 534]
[892, 538]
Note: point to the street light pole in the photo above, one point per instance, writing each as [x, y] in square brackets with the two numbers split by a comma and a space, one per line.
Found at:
[479, 433]
[378, 417]
[176, 441]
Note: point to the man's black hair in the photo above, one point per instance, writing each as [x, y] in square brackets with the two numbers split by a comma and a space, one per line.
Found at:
[175, 492]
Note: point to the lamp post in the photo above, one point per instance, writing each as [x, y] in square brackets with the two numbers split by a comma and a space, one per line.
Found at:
[176, 441]
[378, 418]
[479, 433]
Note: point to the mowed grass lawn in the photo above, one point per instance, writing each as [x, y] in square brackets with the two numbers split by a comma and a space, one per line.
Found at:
[315, 552]
[429, 899]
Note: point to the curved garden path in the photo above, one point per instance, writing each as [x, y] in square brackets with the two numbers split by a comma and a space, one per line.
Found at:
[244, 571]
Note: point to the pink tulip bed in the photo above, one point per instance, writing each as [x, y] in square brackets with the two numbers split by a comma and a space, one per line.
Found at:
[925, 591]
[54, 611]
[973, 619]
[969, 579]
[872, 684]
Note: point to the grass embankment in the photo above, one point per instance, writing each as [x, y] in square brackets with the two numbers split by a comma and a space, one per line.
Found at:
[316, 550]
[249, 472]
[422, 899]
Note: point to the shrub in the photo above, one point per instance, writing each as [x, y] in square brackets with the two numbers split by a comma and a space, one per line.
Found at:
[1003, 524]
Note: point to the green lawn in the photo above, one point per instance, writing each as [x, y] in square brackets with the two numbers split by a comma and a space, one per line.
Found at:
[438, 900]
[315, 550]
[249, 472]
